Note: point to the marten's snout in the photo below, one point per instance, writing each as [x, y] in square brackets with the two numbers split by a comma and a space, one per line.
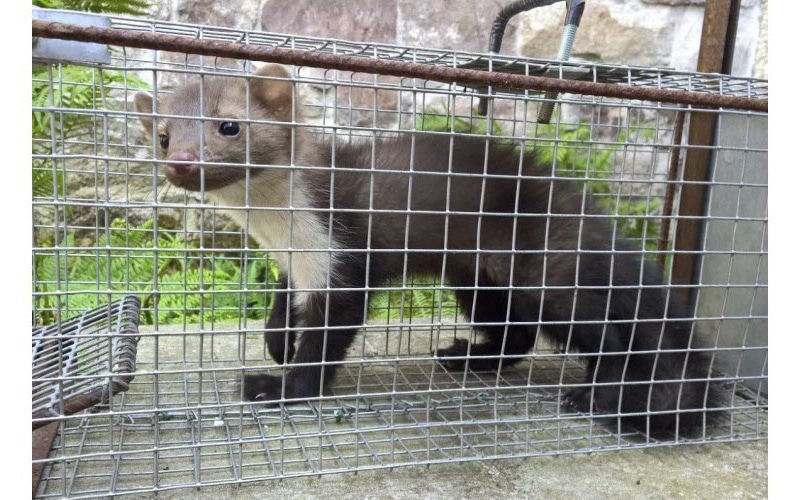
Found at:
[180, 173]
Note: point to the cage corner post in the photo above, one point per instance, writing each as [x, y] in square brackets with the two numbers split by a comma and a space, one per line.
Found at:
[715, 56]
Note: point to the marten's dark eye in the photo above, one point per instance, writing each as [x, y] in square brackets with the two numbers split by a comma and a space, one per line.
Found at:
[230, 129]
[163, 139]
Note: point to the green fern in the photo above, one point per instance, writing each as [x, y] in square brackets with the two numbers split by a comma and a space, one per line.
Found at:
[73, 87]
[131, 7]
[421, 297]
[181, 282]
[437, 119]
[576, 156]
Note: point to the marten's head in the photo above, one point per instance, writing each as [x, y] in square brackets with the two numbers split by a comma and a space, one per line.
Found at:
[226, 131]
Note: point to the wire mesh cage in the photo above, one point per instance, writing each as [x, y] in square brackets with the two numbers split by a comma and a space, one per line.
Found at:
[481, 259]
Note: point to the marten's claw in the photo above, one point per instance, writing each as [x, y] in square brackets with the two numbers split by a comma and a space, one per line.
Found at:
[262, 388]
[578, 399]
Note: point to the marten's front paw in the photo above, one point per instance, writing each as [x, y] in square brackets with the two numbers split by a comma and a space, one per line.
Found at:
[262, 388]
[455, 357]
[458, 349]
[579, 399]
[598, 400]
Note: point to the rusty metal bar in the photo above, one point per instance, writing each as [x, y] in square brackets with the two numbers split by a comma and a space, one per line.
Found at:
[702, 127]
[669, 195]
[173, 43]
[42, 442]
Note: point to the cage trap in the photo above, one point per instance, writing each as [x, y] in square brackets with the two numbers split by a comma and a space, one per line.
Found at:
[183, 422]
[85, 360]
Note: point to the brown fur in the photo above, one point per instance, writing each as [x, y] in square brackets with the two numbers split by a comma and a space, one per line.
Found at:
[497, 198]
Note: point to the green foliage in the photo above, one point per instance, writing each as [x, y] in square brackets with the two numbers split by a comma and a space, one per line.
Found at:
[76, 88]
[185, 283]
[421, 297]
[131, 7]
[440, 120]
[570, 149]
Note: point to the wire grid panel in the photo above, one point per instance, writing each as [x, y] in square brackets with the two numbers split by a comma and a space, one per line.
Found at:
[214, 272]
[76, 354]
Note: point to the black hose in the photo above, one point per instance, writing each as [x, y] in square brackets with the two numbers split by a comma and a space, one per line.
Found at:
[499, 29]
[505, 15]
[730, 38]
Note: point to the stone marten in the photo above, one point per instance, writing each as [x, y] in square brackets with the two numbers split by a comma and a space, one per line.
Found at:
[358, 213]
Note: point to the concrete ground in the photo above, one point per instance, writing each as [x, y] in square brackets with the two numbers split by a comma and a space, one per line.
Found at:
[718, 471]
[201, 440]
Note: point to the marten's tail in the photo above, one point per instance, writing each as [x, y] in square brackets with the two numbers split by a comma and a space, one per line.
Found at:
[681, 398]
[662, 386]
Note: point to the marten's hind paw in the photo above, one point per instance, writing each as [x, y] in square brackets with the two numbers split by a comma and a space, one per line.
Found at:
[261, 388]
[453, 356]
[579, 399]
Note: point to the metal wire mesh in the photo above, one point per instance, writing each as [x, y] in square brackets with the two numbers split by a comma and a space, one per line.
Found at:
[107, 223]
[84, 361]
[631, 75]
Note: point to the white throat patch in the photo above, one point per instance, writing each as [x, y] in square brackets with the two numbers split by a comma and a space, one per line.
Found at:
[295, 236]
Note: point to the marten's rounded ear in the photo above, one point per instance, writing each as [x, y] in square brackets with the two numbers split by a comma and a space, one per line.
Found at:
[143, 102]
[276, 95]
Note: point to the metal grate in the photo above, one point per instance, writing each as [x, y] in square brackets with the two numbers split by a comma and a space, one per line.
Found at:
[660, 78]
[108, 224]
[409, 413]
[84, 361]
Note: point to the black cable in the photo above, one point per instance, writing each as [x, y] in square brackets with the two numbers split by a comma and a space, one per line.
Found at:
[730, 38]
[505, 15]
[499, 29]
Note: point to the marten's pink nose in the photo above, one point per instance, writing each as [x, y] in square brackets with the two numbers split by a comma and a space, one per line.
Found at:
[181, 169]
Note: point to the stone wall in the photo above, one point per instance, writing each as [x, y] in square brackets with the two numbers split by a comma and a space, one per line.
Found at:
[663, 33]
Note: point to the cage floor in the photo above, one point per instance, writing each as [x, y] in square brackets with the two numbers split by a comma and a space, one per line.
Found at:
[185, 426]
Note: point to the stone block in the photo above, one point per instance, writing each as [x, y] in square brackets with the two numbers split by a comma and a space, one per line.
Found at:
[358, 20]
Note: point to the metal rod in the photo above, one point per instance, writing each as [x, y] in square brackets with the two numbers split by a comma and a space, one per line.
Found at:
[730, 38]
[505, 15]
[174, 43]
[669, 195]
[571, 23]
[699, 157]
